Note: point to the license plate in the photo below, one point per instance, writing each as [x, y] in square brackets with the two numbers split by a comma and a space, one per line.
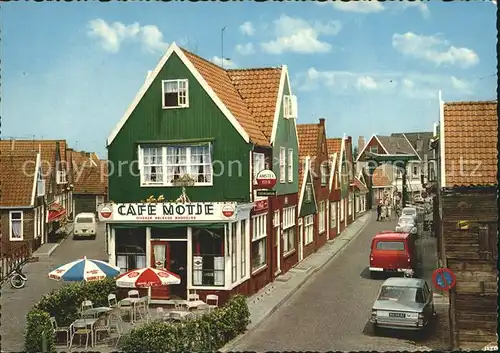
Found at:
[400, 315]
[84, 230]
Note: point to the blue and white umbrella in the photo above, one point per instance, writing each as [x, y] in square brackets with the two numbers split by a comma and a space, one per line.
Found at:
[84, 270]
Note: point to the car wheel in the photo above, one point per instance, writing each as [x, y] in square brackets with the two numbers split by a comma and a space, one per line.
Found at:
[373, 274]
[376, 330]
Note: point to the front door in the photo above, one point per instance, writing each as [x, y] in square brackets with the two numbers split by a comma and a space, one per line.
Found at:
[277, 250]
[160, 259]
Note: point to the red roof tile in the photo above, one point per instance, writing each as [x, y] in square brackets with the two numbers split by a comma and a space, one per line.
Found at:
[89, 175]
[17, 177]
[380, 178]
[334, 145]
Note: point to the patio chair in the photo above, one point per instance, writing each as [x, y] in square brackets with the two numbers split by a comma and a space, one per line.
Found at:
[134, 293]
[87, 304]
[81, 331]
[202, 310]
[160, 314]
[141, 308]
[175, 316]
[58, 329]
[116, 329]
[126, 307]
[112, 302]
[192, 297]
[101, 326]
[212, 300]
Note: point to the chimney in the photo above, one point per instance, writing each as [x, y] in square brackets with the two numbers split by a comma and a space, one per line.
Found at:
[361, 143]
[322, 121]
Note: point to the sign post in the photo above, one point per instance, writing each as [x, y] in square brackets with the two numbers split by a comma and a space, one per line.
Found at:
[444, 279]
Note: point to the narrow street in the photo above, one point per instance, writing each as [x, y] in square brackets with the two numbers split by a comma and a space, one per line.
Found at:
[331, 312]
[16, 303]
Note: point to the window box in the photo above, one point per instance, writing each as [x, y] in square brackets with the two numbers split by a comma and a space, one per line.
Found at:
[175, 94]
[165, 165]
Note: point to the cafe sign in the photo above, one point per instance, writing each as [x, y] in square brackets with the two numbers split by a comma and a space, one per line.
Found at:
[168, 212]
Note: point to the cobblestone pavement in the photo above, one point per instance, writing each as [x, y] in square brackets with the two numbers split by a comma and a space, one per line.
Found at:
[17, 302]
[331, 312]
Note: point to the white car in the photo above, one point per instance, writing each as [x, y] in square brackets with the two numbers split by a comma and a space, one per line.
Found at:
[85, 225]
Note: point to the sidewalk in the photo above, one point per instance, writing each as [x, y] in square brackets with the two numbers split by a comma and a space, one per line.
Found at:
[271, 297]
[48, 248]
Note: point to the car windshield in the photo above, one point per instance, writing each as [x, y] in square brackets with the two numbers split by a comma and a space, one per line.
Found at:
[390, 245]
[85, 220]
[402, 294]
[406, 220]
[409, 212]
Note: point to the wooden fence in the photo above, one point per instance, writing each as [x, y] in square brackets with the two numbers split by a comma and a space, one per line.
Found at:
[11, 257]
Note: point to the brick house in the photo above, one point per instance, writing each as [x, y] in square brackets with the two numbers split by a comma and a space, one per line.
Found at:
[89, 179]
[334, 146]
[54, 171]
[360, 195]
[468, 218]
[22, 200]
[312, 144]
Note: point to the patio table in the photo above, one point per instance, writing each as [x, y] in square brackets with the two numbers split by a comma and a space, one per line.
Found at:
[182, 314]
[133, 302]
[84, 323]
[97, 311]
[194, 304]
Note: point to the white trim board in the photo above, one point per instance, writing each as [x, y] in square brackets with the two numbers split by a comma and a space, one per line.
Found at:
[307, 173]
[173, 48]
[374, 136]
[37, 167]
[334, 169]
[414, 150]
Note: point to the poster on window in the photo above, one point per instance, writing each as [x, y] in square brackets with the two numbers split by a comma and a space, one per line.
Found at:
[121, 262]
[197, 270]
[219, 270]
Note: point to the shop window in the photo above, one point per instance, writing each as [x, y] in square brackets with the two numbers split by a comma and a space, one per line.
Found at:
[259, 242]
[130, 248]
[208, 257]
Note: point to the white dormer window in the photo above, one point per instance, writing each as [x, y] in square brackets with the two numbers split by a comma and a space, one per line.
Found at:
[40, 185]
[61, 177]
[175, 94]
[290, 107]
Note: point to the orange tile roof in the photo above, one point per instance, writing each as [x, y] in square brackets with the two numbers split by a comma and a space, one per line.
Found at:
[17, 175]
[309, 135]
[380, 178]
[334, 145]
[301, 171]
[470, 143]
[220, 81]
[259, 89]
[359, 185]
[87, 177]
[47, 148]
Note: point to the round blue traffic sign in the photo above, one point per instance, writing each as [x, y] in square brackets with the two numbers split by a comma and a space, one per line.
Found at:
[444, 279]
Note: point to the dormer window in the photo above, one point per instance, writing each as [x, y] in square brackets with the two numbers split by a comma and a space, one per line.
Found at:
[61, 177]
[175, 94]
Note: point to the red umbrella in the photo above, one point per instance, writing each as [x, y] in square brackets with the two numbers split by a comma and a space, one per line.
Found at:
[146, 278]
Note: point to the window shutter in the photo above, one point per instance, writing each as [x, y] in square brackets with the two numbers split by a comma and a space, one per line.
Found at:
[293, 106]
[286, 106]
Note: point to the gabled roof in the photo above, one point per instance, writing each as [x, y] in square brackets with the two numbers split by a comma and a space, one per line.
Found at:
[380, 178]
[334, 158]
[304, 172]
[359, 185]
[420, 141]
[334, 145]
[470, 143]
[88, 176]
[18, 175]
[392, 145]
[249, 98]
[309, 137]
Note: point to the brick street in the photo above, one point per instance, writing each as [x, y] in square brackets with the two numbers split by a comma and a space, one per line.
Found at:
[16, 303]
[331, 312]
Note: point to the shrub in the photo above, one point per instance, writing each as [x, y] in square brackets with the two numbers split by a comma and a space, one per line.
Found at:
[207, 333]
[63, 304]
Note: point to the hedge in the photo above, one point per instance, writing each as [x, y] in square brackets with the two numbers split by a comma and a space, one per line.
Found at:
[62, 303]
[207, 333]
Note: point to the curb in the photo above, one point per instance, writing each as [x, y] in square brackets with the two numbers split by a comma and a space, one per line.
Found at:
[232, 343]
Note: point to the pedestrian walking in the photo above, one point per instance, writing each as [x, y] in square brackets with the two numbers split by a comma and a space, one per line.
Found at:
[379, 211]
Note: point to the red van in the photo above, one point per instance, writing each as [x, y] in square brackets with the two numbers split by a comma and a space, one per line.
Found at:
[392, 252]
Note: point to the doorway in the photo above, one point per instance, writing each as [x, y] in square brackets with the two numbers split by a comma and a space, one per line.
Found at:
[172, 256]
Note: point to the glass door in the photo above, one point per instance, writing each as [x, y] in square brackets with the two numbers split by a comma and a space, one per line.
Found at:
[160, 259]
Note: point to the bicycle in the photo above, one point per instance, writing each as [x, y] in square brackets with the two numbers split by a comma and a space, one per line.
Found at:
[18, 279]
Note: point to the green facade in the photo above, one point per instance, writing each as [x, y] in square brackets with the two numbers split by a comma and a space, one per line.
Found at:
[286, 136]
[308, 207]
[202, 121]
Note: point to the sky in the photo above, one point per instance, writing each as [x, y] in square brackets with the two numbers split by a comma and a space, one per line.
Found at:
[70, 70]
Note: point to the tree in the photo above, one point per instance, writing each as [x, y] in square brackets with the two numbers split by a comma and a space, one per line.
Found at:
[355, 152]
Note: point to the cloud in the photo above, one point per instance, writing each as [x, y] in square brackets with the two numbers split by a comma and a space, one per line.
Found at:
[111, 35]
[247, 28]
[403, 84]
[366, 83]
[296, 35]
[359, 6]
[226, 63]
[421, 6]
[433, 49]
[245, 49]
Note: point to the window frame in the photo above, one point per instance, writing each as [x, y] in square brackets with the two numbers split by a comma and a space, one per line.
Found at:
[342, 209]
[333, 214]
[243, 247]
[289, 225]
[234, 251]
[256, 238]
[321, 217]
[282, 165]
[372, 148]
[164, 165]
[261, 159]
[308, 225]
[350, 204]
[178, 81]
[289, 106]
[22, 225]
[324, 173]
[290, 165]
